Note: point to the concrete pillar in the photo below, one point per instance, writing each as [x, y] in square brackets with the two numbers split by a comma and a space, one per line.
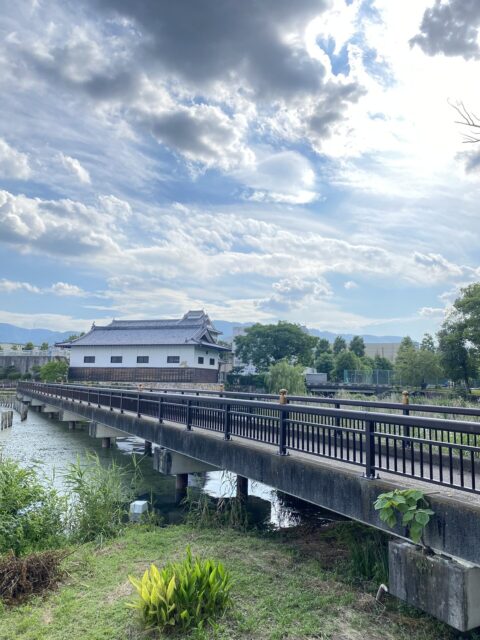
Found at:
[106, 443]
[71, 425]
[148, 448]
[242, 488]
[181, 484]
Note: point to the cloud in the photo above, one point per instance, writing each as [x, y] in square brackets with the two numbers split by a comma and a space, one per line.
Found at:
[52, 321]
[58, 289]
[350, 284]
[432, 312]
[73, 166]
[281, 177]
[202, 134]
[57, 227]
[13, 163]
[293, 293]
[450, 27]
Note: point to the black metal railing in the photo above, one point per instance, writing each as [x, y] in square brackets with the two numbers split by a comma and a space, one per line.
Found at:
[472, 413]
[434, 450]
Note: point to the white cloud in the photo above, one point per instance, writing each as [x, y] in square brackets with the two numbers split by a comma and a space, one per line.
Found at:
[73, 166]
[13, 163]
[350, 284]
[69, 290]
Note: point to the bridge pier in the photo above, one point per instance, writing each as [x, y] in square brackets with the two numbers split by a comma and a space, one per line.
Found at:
[242, 488]
[147, 448]
[71, 425]
[107, 442]
[445, 588]
[181, 485]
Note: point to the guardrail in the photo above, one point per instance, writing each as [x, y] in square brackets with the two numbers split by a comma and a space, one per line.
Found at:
[440, 451]
[338, 403]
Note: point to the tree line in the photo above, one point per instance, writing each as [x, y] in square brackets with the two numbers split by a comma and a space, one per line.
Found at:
[453, 355]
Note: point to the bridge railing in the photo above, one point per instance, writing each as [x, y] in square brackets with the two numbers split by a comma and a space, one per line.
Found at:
[435, 450]
[471, 413]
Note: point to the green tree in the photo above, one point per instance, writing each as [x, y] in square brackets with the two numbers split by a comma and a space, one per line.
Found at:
[357, 345]
[379, 362]
[339, 344]
[417, 367]
[324, 363]
[345, 360]
[29, 346]
[44, 346]
[467, 313]
[263, 345]
[283, 375]
[54, 371]
[457, 356]
[322, 346]
[405, 362]
[428, 343]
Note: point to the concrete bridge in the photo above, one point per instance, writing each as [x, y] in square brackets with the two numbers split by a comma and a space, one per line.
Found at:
[339, 459]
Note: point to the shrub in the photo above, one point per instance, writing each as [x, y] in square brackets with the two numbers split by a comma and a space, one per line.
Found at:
[32, 516]
[186, 594]
[101, 497]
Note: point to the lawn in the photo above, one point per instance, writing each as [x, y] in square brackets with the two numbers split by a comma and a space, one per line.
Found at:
[285, 586]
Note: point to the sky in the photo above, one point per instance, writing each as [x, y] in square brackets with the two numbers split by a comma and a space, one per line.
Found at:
[260, 159]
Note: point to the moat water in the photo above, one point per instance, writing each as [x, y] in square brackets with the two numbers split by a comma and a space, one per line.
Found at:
[50, 447]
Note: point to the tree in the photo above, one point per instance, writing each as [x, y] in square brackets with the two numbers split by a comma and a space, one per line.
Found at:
[322, 346]
[29, 346]
[339, 344]
[457, 358]
[417, 367]
[54, 371]
[14, 347]
[324, 363]
[357, 345]
[263, 345]
[467, 313]
[345, 360]
[44, 346]
[428, 344]
[379, 362]
[283, 375]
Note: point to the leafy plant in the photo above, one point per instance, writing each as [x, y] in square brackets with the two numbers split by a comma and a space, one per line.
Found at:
[186, 594]
[411, 505]
[32, 516]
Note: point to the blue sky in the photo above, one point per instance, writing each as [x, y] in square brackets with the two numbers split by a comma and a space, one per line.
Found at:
[264, 161]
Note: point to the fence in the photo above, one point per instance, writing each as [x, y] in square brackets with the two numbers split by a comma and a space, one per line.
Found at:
[434, 450]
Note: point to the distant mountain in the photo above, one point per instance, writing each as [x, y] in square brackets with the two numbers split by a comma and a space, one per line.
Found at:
[226, 328]
[13, 334]
[9, 333]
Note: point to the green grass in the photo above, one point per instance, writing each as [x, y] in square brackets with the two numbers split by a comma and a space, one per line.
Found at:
[285, 587]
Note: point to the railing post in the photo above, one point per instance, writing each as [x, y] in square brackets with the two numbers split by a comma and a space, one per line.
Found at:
[88, 397]
[337, 418]
[226, 422]
[283, 397]
[282, 441]
[188, 418]
[160, 409]
[121, 401]
[110, 401]
[406, 412]
[138, 405]
[369, 449]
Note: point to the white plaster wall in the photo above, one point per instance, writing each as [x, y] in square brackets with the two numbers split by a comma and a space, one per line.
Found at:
[158, 356]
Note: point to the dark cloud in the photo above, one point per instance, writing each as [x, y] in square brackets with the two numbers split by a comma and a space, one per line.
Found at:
[207, 41]
[450, 28]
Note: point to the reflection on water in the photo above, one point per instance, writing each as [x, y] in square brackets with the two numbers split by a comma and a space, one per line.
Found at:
[49, 445]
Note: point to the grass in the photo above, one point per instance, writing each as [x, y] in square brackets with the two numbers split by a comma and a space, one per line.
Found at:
[286, 586]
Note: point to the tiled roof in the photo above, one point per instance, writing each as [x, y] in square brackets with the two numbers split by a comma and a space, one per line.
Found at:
[194, 328]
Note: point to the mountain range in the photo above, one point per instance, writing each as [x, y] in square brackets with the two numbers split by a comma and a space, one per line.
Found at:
[10, 333]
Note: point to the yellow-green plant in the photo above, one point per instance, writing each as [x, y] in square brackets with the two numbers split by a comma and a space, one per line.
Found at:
[187, 594]
[412, 506]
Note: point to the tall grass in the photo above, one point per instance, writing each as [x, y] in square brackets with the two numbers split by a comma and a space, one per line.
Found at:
[100, 497]
[367, 552]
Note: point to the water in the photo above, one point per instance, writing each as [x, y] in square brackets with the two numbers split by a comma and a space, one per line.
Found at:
[51, 447]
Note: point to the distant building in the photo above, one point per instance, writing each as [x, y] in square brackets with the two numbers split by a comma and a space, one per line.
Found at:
[387, 350]
[179, 350]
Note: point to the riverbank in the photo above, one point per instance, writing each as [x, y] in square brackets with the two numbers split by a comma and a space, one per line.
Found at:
[291, 585]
